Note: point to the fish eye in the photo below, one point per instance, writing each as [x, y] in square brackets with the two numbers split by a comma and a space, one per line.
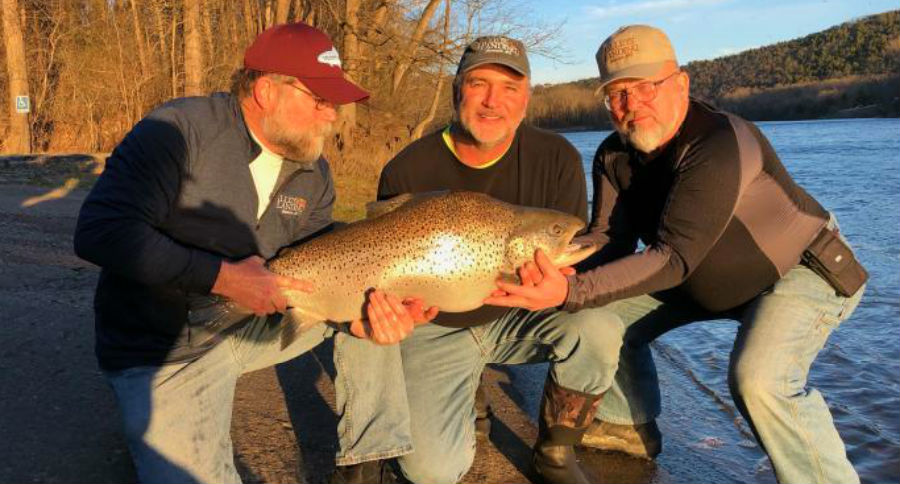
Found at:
[556, 230]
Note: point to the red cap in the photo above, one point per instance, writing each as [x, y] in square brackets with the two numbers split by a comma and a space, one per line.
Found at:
[306, 53]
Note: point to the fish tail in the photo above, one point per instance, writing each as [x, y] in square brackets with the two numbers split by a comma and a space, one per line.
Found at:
[293, 324]
[214, 313]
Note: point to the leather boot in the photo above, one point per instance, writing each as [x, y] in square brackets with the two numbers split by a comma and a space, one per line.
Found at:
[643, 441]
[483, 412]
[564, 417]
[369, 472]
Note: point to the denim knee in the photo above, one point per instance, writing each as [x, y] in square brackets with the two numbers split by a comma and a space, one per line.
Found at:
[752, 385]
[440, 467]
[600, 330]
[587, 353]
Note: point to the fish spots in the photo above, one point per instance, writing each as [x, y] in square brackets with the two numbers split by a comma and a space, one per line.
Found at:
[447, 249]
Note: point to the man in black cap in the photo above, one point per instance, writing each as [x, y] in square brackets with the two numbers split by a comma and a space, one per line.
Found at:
[487, 149]
[191, 203]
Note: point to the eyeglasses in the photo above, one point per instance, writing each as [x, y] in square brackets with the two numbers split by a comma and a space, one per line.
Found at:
[320, 103]
[643, 91]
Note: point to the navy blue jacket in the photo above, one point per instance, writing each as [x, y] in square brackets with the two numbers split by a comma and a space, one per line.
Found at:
[175, 199]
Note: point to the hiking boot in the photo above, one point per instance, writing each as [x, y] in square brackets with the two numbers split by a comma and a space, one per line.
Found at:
[369, 472]
[483, 413]
[564, 418]
[640, 440]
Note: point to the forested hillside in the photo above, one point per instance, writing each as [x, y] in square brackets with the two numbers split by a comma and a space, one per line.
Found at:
[852, 69]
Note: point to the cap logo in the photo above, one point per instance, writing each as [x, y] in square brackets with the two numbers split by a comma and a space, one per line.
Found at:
[620, 49]
[496, 44]
[330, 57]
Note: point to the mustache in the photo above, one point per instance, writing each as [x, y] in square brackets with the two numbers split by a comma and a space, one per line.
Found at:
[626, 120]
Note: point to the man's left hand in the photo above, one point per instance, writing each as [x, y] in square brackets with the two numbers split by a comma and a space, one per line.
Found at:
[390, 320]
[543, 286]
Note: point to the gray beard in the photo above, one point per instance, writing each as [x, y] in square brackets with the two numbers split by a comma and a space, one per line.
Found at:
[303, 148]
[482, 143]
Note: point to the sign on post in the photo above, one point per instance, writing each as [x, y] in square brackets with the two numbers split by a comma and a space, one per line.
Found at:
[23, 104]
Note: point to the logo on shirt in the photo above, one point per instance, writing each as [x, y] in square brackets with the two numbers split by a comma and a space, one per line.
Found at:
[290, 205]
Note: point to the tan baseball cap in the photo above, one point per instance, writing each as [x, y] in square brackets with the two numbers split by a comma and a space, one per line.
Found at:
[633, 52]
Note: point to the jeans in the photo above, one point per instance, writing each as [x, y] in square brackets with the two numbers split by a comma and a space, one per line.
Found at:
[177, 417]
[780, 334]
[443, 367]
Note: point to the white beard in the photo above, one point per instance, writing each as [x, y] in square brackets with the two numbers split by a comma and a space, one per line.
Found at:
[301, 146]
[646, 140]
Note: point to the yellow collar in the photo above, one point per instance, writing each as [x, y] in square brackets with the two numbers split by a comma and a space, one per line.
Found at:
[449, 142]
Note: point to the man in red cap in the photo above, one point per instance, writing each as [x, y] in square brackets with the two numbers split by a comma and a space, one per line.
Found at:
[192, 202]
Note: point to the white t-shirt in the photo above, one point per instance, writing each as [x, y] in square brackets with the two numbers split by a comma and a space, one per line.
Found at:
[264, 169]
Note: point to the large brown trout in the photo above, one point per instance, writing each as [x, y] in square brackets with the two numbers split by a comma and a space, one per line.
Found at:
[447, 249]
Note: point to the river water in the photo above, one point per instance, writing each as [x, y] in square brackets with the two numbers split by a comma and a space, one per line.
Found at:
[852, 166]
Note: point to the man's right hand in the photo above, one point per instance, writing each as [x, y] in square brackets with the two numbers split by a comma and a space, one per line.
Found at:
[249, 284]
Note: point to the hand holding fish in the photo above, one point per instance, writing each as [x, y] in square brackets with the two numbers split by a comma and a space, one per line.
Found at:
[543, 285]
[249, 284]
[390, 320]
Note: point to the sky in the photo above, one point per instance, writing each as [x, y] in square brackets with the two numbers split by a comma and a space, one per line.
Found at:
[698, 29]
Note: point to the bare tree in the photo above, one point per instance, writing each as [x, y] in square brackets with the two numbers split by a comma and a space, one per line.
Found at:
[432, 110]
[19, 138]
[407, 51]
[193, 55]
[282, 8]
[350, 63]
[139, 37]
[96, 66]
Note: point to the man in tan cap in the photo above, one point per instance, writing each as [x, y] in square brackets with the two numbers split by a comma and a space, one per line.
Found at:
[191, 203]
[727, 234]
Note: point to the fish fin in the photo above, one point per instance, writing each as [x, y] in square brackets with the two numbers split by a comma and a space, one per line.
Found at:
[215, 313]
[294, 323]
[381, 207]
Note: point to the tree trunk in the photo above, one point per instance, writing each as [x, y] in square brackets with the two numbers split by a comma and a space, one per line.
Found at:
[417, 131]
[193, 51]
[248, 20]
[19, 138]
[282, 8]
[206, 16]
[350, 59]
[374, 33]
[420, 128]
[172, 66]
[267, 15]
[139, 38]
[405, 58]
[160, 33]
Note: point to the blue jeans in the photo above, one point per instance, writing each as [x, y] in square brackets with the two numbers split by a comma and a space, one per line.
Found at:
[780, 334]
[443, 368]
[177, 417]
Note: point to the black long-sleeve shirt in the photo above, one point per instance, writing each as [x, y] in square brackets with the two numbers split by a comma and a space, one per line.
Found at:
[175, 199]
[720, 217]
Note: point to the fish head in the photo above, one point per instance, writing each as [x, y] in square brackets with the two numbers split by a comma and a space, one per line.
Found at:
[549, 230]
